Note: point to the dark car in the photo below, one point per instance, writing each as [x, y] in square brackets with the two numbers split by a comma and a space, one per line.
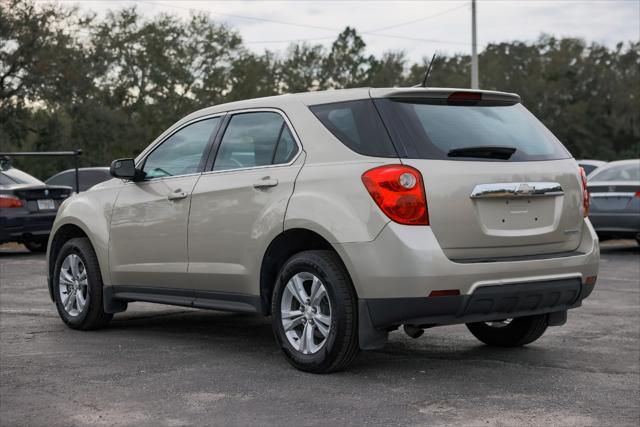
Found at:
[615, 200]
[28, 207]
[87, 177]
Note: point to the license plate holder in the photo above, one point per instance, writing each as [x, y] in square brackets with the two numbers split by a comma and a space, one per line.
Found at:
[46, 205]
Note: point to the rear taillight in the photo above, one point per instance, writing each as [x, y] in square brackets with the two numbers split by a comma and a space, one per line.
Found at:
[585, 193]
[399, 191]
[9, 201]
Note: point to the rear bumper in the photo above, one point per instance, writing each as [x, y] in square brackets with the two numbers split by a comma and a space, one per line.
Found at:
[485, 304]
[395, 273]
[407, 262]
[616, 223]
[16, 226]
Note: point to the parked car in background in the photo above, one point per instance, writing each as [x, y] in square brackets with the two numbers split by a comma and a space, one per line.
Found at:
[590, 165]
[342, 214]
[87, 177]
[615, 200]
[28, 207]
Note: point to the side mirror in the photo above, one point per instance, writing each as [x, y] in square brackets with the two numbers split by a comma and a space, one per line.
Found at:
[125, 169]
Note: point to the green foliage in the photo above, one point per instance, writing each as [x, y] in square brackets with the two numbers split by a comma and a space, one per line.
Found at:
[111, 85]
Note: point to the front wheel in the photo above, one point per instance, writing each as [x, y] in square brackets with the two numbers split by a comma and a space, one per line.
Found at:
[314, 312]
[510, 332]
[77, 286]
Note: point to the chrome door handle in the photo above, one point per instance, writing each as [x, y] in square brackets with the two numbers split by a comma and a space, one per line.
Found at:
[177, 195]
[266, 183]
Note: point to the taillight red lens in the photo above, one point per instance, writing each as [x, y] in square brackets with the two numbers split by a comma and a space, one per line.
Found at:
[9, 201]
[399, 191]
[585, 193]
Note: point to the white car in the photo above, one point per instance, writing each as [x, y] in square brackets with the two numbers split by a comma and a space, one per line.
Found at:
[343, 215]
[590, 166]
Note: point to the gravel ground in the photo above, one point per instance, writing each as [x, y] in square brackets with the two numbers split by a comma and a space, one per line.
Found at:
[159, 365]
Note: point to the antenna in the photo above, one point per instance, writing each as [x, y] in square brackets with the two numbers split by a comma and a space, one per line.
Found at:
[426, 76]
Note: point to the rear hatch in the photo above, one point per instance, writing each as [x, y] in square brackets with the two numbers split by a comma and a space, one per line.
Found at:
[498, 183]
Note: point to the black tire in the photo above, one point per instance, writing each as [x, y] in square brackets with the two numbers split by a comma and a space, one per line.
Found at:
[92, 315]
[520, 331]
[341, 345]
[36, 244]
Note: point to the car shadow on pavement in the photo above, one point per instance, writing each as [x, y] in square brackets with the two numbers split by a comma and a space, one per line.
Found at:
[245, 336]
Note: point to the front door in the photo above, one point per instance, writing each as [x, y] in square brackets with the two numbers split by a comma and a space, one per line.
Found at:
[148, 246]
[239, 205]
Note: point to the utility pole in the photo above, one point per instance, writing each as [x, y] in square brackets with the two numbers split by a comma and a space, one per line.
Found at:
[474, 47]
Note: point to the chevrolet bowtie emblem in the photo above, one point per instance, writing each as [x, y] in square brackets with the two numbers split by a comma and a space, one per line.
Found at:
[524, 189]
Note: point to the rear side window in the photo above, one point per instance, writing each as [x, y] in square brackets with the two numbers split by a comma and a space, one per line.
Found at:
[431, 130]
[92, 177]
[63, 178]
[255, 139]
[357, 124]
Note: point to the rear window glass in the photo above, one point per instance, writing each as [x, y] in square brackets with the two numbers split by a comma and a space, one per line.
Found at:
[629, 172]
[14, 176]
[431, 130]
[358, 125]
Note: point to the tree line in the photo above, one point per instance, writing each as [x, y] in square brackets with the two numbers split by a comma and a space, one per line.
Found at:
[109, 85]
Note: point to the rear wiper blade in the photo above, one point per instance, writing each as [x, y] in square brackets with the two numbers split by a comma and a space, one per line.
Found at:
[484, 152]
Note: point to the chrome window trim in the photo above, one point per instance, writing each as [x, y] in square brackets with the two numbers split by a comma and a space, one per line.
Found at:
[516, 189]
[258, 110]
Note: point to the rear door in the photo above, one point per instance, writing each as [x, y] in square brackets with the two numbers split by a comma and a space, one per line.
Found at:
[498, 183]
[239, 204]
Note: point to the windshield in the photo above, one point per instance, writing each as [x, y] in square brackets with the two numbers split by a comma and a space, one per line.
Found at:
[15, 176]
[628, 172]
[432, 130]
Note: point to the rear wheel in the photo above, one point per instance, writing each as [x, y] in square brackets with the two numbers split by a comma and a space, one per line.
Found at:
[510, 332]
[314, 312]
[36, 244]
[77, 286]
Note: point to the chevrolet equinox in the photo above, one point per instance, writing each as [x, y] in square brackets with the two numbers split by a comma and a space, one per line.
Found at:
[343, 215]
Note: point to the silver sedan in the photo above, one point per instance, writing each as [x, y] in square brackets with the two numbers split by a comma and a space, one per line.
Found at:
[615, 200]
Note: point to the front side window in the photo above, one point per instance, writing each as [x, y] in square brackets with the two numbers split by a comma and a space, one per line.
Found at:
[255, 139]
[181, 153]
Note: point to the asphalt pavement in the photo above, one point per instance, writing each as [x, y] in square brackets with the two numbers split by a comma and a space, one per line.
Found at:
[165, 366]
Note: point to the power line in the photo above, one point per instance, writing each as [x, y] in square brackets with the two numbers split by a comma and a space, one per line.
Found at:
[374, 32]
[413, 21]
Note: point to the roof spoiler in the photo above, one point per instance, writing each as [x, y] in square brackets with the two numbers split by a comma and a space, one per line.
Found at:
[444, 94]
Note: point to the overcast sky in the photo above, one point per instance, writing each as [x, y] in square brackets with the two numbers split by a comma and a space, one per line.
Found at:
[420, 28]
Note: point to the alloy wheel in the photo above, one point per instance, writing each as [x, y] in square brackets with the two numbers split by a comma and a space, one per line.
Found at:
[305, 311]
[73, 285]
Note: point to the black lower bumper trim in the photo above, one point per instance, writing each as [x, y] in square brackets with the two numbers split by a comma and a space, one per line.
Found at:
[485, 304]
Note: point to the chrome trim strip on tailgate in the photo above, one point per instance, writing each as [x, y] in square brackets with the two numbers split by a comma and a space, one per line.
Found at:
[516, 189]
[613, 194]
